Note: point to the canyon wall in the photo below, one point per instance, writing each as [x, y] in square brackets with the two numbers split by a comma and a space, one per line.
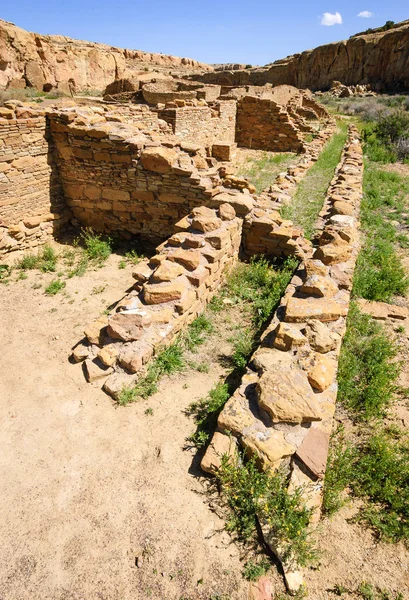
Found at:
[380, 59]
[33, 60]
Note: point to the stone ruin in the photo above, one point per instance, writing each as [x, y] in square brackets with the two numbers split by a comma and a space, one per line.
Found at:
[159, 171]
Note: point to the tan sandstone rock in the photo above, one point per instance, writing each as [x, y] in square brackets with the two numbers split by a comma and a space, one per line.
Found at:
[287, 396]
[162, 292]
[299, 310]
[128, 326]
[158, 159]
[322, 373]
[220, 445]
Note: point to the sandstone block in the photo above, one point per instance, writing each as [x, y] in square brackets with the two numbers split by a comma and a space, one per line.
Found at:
[158, 159]
[322, 372]
[95, 370]
[317, 285]
[108, 355]
[80, 352]
[220, 445]
[268, 446]
[95, 331]
[167, 271]
[128, 326]
[320, 337]
[288, 336]
[287, 396]
[382, 310]
[158, 293]
[227, 212]
[188, 258]
[313, 451]
[299, 310]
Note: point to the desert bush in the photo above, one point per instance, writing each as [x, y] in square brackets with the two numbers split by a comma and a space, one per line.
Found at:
[367, 370]
[254, 495]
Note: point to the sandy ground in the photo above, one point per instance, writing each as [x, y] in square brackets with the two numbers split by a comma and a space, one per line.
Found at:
[88, 487]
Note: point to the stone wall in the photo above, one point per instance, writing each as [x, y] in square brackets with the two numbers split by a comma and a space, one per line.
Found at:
[203, 125]
[264, 230]
[119, 180]
[282, 413]
[262, 124]
[32, 208]
[170, 291]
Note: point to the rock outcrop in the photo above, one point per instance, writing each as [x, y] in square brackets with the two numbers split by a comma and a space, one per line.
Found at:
[54, 61]
[380, 59]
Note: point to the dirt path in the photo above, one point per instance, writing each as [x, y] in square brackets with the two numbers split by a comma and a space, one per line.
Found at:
[86, 486]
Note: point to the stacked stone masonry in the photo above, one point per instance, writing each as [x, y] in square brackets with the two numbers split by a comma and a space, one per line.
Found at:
[265, 232]
[32, 207]
[283, 411]
[171, 289]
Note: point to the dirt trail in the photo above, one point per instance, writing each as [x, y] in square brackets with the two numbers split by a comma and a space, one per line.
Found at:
[87, 486]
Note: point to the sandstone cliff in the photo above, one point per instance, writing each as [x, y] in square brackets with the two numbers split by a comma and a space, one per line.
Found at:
[52, 60]
[379, 58]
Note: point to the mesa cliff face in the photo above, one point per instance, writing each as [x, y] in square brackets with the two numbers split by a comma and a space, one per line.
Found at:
[29, 59]
[380, 59]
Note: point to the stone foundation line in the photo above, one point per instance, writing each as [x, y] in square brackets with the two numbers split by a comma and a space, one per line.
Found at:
[171, 290]
[282, 412]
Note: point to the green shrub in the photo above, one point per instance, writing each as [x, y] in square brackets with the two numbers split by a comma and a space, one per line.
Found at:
[382, 478]
[390, 127]
[97, 247]
[254, 570]
[339, 473]
[243, 346]
[367, 374]
[54, 287]
[251, 495]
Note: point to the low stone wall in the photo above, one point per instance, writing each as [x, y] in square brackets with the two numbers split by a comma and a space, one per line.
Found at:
[264, 231]
[170, 291]
[282, 413]
[32, 208]
[263, 124]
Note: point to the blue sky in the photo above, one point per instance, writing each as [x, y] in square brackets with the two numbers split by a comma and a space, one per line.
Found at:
[244, 31]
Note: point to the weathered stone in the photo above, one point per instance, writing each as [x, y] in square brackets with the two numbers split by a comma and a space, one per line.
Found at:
[108, 355]
[287, 396]
[158, 159]
[315, 267]
[206, 224]
[220, 446]
[333, 253]
[241, 203]
[127, 325]
[382, 310]
[80, 352]
[95, 370]
[320, 337]
[236, 415]
[343, 208]
[95, 331]
[288, 336]
[227, 212]
[117, 382]
[322, 373]
[313, 451]
[158, 293]
[167, 271]
[317, 285]
[262, 589]
[268, 446]
[271, 360]
[299, 310]
[142, 273]
[203, 211]
[188, 258]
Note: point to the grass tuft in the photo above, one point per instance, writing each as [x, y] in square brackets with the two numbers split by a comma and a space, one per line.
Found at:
[54, 287]
[206, 412]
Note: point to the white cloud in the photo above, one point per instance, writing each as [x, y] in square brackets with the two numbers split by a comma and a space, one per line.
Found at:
[331, 19]
[366, 14]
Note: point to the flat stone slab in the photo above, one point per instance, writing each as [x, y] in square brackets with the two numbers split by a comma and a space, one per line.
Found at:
[313, 451]
[299, 310]
[382, 310]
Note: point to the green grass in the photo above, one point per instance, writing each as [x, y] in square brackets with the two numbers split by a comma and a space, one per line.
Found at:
[367, 371]
[263, 172]
[54, 287]
[367, 591]
[45, 260]
[310, 195]
[379, 273]
[243, 345]
[170, 360]
[206, 412]
[252, 495]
